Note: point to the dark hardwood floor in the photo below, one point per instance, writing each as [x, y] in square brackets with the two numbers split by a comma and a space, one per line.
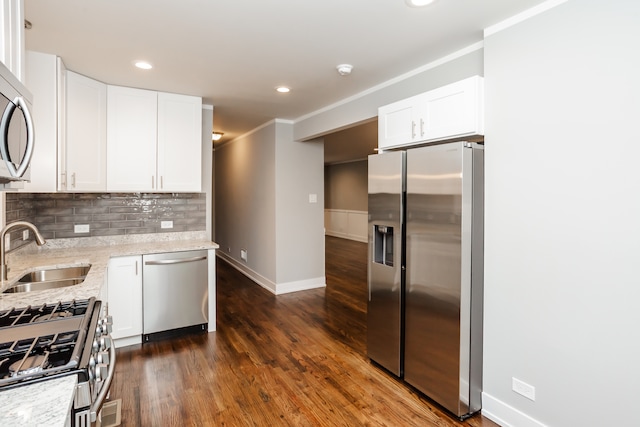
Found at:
[293, 360]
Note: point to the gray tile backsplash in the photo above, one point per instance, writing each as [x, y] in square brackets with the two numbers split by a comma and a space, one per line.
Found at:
[107, 214]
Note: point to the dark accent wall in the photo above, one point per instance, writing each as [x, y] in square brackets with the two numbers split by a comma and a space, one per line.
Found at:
[107, 214]
[345, 186]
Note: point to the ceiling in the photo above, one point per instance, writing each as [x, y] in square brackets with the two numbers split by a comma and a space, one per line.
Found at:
[234, 53]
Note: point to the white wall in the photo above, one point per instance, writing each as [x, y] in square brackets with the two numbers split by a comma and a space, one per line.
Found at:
[562, 207]
[245, 191]
[299, 223]
[262, 186]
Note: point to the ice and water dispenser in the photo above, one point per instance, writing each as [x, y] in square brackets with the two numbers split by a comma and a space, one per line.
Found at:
[383, 245]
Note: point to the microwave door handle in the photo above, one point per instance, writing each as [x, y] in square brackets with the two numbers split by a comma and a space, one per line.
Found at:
[4, 131]
[28, 153]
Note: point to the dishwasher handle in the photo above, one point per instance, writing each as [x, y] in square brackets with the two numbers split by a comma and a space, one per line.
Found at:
[175, 261]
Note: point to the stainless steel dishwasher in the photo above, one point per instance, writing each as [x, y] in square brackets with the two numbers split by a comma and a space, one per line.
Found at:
[174, 294]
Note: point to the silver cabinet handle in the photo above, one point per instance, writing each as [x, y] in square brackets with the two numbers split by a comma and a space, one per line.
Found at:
[153, 182]
[136, 268]
[413, 129]
[73, 180]
[175, 261]
[161, 182]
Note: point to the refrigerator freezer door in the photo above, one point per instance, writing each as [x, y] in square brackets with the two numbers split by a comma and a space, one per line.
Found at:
[384, 308]
[438, 275]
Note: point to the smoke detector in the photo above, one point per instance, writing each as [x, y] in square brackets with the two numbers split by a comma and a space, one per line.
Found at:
[344, 69]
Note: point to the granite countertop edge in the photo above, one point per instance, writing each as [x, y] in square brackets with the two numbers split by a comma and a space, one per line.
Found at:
[87, 251]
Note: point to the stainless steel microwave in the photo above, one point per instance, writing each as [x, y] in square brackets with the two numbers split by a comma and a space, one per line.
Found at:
[16, 129]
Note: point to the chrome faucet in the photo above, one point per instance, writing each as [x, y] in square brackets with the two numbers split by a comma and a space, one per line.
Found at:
[3, 259]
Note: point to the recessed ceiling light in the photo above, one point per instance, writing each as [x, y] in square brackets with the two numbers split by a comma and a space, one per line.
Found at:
[418, 3]
[143, 65]
[215, 136]
[283, 89]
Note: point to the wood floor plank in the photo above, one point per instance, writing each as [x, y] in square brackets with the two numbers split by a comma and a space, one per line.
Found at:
[290, 360]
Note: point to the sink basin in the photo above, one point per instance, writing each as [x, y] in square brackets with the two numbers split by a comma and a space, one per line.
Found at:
[52, 278]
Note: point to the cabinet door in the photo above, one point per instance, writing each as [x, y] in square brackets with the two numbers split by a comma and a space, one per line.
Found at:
[125, 296]
[397, 123]
[131, 139]
[42, 80]
[454, 110]
[86, 134]
[12, 37]
[179, 142]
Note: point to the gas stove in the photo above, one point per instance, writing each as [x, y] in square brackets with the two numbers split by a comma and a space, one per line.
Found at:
[38, 343]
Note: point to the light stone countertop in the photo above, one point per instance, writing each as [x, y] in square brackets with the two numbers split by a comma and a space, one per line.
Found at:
[45, 403]
[37, 404]
[87, 250]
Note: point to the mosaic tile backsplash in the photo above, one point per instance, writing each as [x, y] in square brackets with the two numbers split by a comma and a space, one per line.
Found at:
[107, 214]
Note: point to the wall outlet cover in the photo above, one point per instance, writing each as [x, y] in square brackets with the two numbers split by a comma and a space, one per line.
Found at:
[81, 228]
[523, 388]
[166, 224]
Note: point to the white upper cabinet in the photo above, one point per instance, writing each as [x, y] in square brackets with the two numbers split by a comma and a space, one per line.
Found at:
[154, 141]
[12, 53]
[83, 150]
[179, 142]
[452, 111]
[131, 139]
[43, 72]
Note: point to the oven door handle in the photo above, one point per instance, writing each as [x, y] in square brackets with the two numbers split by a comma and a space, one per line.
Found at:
[100, 398]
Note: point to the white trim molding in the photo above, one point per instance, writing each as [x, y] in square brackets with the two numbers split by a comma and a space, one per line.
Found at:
[346, 224]
[274, 288]
[523, 16]
[505, 415]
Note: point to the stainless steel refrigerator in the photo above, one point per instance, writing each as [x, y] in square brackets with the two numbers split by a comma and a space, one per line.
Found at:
[425, 273]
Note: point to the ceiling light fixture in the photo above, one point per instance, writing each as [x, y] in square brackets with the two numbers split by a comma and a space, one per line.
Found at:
[418, 3]
[283, 89]
[143, 65]
[215, 136]
[344, 69]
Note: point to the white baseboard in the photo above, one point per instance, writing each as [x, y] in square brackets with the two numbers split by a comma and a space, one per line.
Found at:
[127, 341]
[505, 415]
[274, 288]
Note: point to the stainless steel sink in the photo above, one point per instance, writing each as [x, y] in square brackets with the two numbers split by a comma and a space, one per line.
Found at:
[51, 278]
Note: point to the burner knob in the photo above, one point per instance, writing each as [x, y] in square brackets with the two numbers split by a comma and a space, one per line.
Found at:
[95, 346]
[92, 362]
[101, 371]
[103, 357]
[105, 343]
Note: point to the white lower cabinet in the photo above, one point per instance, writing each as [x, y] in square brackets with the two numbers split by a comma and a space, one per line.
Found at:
[124, 296]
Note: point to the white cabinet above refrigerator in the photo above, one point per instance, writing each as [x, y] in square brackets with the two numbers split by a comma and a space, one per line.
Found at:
[452, 111]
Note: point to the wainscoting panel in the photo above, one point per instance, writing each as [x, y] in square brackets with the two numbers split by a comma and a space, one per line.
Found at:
[346, 224]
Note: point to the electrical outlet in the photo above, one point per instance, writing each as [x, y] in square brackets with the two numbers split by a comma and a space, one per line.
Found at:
[313, 198]
[81, 228]
[523, 388]
[25, 234]
[166, 224]
[243, 255]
